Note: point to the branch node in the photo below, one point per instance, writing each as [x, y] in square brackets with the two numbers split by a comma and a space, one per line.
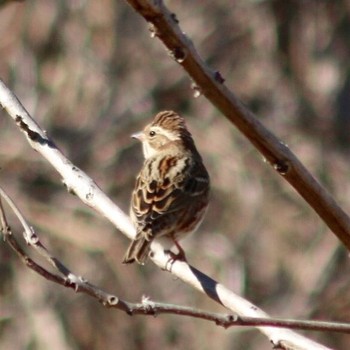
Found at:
[75, 281]
[174, 18]
[31, 237]
[112, 300]
[232, 318]
[218, 77]
[148, 304]
[153, 30]
[282, 345]
[31, 134]
[6, 231]
[70, 190]
[227, 321]
[178, 54]
[129, 312]
[197, 91]
[282, 167]
[90, 195]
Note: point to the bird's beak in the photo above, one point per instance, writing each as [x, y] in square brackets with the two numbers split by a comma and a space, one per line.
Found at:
[139, 136]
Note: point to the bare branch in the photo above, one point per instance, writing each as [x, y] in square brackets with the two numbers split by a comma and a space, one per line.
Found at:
[147, 307]
[211, 84]
[33, 240]
[70, 280]
[79, 183]
[76, 181]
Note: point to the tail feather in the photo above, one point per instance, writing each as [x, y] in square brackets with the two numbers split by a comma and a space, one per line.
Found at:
[138, 251]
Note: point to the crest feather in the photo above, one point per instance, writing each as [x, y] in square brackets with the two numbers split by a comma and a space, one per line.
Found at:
[169, 120]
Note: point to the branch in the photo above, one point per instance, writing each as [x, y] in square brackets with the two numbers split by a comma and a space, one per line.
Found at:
[88, 191]
[69, 280]
[164, 25]
[147, 307]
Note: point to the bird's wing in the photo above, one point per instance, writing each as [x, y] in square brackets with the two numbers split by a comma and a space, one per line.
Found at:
[166, 187]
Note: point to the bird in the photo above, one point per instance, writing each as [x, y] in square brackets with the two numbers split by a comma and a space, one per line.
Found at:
[171, 192]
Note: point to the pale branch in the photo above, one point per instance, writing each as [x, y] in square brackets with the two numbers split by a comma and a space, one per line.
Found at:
[76, 181]
[87, 190]
[147, 307]
[210, 83]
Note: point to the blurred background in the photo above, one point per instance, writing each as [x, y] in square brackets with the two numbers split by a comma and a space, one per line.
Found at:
[90, 74]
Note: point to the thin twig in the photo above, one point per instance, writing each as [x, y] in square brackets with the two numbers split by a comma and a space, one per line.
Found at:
[147, 307]
[33, 240]
[69, 279]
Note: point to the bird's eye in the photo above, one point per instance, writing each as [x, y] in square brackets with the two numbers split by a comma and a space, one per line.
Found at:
[152, 133]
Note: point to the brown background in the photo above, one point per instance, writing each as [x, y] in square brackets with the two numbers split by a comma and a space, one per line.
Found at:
[91, 74]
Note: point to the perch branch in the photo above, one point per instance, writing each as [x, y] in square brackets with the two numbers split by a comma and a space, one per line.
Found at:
[79, 183]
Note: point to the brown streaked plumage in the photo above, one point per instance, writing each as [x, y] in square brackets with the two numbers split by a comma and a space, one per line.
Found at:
[172, 189]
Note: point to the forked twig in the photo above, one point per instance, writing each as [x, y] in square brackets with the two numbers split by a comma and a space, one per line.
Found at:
[147, 307]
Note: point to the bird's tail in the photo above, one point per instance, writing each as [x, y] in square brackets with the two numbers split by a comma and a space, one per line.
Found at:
[138, 250]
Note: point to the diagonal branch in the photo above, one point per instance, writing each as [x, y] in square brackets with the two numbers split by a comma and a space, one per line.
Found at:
[211, 84]
[88, 191]
[147, 307]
